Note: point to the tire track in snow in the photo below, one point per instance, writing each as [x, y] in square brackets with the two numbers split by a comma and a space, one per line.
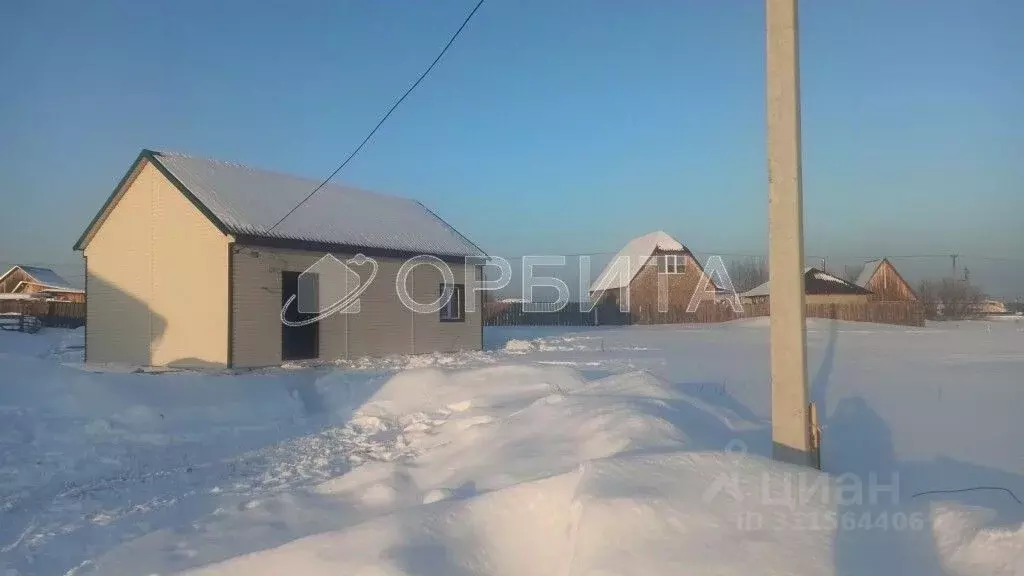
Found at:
[103, 505]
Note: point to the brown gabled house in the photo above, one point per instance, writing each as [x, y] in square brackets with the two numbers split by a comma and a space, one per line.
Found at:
[820, 287]
[38, 282]
[885, 283]
[638, 269]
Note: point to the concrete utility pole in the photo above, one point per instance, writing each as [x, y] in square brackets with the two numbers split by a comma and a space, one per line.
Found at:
[792, 437]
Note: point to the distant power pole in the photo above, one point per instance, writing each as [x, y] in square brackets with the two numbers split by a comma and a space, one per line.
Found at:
[954, 257]
[793, 438]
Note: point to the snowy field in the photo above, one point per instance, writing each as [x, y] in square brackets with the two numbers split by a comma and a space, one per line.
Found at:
[602, 451]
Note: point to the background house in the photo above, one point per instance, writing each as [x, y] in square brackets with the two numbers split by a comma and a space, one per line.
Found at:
[36, 282]
[884, 282]
[820, 288]
[992, 307]
[652, 258]
[184, 267]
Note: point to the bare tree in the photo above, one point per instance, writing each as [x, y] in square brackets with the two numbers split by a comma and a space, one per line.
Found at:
[949, 298]
[747, 273]
[928, 293]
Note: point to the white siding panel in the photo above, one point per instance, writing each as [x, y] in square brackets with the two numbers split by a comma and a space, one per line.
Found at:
[433, 335]
[382, 327]
[384, 324]
[157, 280]
[118, 316]
[256, 305]
[189, 298]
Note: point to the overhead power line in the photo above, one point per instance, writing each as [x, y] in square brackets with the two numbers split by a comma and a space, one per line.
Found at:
[385, 117]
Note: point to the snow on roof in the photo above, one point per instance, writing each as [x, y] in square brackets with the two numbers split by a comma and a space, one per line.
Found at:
[759, 290]
[47, 289]
[823, 276]
[870, 267]
[639, 251]
[816, 282]
[45, 277]
[247, 201]
[18, 296]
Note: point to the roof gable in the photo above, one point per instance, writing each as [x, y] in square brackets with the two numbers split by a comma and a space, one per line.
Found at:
[247, 202]
[872, 268]
[145, 157]
[868, 272]
[638, 251]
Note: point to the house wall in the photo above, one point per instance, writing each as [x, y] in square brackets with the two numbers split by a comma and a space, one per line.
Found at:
[643, 289]
[430, 334]
[836, 299]
[754, 300]
[813, 299]
[887, 285]
[69, 296]
[382, 326]
[157, 280]
[32, 288]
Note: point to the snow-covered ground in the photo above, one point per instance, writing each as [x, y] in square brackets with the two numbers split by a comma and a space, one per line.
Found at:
[604, 451]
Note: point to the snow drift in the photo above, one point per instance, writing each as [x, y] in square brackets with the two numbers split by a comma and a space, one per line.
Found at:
[609, 452]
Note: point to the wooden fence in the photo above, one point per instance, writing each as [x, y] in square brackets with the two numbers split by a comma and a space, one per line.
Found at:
[706, 313]
[15, 322]
[900, 313]
[543, 314]
[512, 314]
[53, 313]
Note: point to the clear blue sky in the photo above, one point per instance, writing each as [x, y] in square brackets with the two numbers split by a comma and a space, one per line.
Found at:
[561, 127]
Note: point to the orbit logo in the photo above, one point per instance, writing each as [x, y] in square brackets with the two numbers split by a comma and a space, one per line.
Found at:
[330, 286]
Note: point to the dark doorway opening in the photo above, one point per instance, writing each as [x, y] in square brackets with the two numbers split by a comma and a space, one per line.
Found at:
[298, 342]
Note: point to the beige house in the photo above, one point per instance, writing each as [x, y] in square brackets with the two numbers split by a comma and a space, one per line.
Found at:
[185, 267]
[992, 307]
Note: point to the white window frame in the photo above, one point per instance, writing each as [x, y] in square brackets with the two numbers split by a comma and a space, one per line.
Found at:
[677, 261]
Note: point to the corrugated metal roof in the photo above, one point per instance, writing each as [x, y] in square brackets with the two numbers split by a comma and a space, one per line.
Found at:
[759, 290]
[248, 201]
[870, 267]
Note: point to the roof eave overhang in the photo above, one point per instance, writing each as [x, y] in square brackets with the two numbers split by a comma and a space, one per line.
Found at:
[256, 240]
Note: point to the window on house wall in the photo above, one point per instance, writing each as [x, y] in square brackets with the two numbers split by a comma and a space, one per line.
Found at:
[672, 264]
[454, 310]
